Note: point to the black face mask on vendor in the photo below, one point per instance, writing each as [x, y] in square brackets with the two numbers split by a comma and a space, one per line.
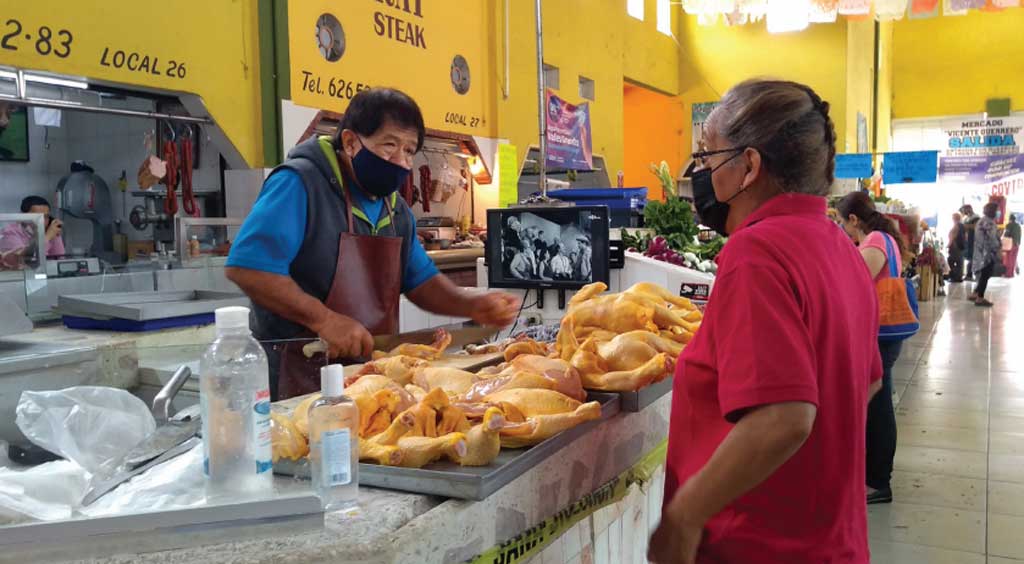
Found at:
[375, 175]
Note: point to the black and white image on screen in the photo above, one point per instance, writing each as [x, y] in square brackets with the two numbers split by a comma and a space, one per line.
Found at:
[534, 248]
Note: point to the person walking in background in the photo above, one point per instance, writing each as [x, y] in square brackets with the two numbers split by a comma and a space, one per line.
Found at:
[986, 253]
[870, 229]
[970, 221]
[956, 246]
[1012, 233]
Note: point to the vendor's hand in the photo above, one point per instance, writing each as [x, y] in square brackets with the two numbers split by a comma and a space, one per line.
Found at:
[345, 337]
[677, 537]
[56, 226]
[495, 309]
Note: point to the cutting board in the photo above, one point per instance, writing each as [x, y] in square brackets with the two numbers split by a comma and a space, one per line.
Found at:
[467, 362]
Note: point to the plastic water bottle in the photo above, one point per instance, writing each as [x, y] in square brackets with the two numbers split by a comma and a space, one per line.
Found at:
[334, 443]
[234, 397]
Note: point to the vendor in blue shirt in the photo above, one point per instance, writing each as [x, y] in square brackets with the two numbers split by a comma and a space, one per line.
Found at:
[328, 247]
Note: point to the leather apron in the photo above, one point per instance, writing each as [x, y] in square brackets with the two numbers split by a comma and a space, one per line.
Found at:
[367, 286]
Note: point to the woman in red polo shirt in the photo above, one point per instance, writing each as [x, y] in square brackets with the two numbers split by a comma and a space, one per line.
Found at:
[766, 441]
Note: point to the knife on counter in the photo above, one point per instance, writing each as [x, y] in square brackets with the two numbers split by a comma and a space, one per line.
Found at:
[462, 335]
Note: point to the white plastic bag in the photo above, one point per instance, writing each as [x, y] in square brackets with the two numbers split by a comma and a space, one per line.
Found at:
[45, 492]
[175, 484]
[93, 426]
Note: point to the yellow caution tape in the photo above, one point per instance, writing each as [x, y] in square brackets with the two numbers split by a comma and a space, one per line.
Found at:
[535, 539]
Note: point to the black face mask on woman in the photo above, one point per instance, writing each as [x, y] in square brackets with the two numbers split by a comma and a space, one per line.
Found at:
[710, 211]
[377, 176]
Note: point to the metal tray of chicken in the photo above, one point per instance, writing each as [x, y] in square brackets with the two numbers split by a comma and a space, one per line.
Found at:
[633, 402]
[448, 479]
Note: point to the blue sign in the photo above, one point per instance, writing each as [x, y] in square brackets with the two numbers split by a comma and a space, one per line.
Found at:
[910, 167]
[854, 166]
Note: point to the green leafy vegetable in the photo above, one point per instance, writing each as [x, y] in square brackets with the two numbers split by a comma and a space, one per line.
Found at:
[673, 218]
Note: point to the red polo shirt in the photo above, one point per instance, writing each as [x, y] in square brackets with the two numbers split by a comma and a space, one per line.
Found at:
[793, 317]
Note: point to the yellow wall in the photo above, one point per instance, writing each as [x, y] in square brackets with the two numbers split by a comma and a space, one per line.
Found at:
[951, 65]
[592, 38]
[860, 83]
[885, 86]
[218, 46]
[713, 59]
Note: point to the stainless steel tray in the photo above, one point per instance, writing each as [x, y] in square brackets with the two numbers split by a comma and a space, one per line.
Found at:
[144, 306]
[633, 402]
[448, 479]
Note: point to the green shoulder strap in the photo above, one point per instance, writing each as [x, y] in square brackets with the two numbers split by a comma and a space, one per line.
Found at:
[328, 148]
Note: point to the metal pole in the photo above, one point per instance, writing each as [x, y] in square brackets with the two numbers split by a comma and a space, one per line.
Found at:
[542, 114]
[61, 105]
[508, 57]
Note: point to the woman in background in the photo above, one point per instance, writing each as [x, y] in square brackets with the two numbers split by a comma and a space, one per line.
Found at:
[987, 247]
[870, 230]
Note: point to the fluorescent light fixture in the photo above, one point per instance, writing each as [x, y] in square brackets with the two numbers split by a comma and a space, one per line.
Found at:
[44, 79]
[788, 15]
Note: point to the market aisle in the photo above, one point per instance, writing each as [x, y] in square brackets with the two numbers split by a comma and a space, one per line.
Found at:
[959, 479]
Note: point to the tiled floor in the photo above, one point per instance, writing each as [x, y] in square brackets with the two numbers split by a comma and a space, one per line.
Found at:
[959, 479]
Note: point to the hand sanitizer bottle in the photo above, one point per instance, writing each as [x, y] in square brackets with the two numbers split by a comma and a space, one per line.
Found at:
[334, 443]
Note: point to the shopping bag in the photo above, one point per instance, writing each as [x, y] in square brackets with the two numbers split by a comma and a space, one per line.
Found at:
[897, 301]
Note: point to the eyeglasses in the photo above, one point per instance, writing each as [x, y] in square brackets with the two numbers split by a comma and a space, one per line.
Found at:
[701, 157]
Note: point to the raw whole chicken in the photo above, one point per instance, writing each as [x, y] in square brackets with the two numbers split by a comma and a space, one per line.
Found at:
[432, 351]
[534, 415]
[530, 371]
[398, 368]
[417, 452]
[483, 441]
[452, 380]
[285, 439]
[596, 338]
[528, 346]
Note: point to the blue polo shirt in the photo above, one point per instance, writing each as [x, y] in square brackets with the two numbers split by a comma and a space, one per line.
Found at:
[273, 233]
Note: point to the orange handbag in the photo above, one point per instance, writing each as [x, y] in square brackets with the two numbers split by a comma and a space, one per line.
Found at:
[897, 301]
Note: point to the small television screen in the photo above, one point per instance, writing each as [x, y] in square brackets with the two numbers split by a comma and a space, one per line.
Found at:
[547, 247]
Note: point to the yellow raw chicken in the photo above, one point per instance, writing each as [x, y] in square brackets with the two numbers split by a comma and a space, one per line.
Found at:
[398, 368]
[285, 439]
[630, 350]
[386, 455]
[432, 351]
[528, 346]
[530, 371]
[483, 441]
[452, 380]
[536, 415]
[417, 452]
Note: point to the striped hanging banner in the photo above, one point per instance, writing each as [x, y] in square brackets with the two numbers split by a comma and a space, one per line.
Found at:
[889, 10]
[854, 7]
[823, 11]
[949, 9]
[924, 8]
